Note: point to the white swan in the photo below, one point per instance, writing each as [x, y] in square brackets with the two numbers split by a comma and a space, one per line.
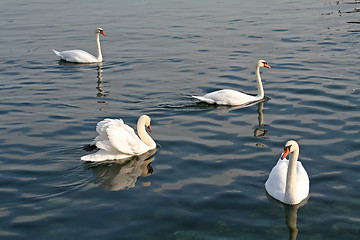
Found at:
[117, 140]
[80, 56]
[288, 181]
[232, 97]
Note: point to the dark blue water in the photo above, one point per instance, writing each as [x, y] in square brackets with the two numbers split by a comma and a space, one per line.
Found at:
[208, 173]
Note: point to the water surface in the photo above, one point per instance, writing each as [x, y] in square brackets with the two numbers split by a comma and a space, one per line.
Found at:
[206, 179]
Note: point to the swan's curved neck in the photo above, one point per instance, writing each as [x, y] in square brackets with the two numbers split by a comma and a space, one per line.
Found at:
[260, 94]
[144, 136]
[291, 187]
[99, 55]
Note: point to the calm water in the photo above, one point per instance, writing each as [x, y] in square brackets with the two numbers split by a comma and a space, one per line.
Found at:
[211, 162]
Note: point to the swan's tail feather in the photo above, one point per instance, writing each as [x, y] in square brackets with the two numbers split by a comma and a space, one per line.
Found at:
[92, 158]
[96, 157]
[203, 99]
[56, 52]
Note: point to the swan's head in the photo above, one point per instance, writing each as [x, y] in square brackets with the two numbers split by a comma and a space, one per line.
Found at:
[145, 120]
[100, 30]
[290, 146]
[263, 63]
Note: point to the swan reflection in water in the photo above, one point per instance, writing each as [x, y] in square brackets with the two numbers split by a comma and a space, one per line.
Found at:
[290, 214]
[260, 131]
[101, 92]
[121, 175]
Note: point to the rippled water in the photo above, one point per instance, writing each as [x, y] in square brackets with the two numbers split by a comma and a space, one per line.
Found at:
[206, 179]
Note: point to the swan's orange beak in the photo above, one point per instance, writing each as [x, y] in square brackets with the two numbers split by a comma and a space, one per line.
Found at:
[266, 65]
[285, 153]
[149, 128]
[102, 32]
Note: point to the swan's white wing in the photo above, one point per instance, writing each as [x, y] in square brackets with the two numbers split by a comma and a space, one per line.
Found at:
[102, 126]
[107, 146]
[76, 56]
[124, 139]
[227, 97]
[302, 180]
[275, 185]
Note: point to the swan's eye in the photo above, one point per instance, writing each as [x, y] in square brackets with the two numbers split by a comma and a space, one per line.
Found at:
[288, 147]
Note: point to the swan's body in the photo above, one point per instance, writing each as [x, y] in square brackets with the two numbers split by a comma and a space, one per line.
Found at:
[80, 56]
[232, 97]
[116, 140]
[288, 181]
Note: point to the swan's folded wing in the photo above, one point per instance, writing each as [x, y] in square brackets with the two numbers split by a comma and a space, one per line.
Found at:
[124, 139]
[275, 185]
[77, 56]
[303, 179]
[102, 126]
[107, 146]
[230, 97]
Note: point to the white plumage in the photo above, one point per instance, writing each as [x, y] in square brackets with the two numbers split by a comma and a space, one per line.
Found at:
[80, 56]
[227, 97]
[288, 181]
[116, 140]
[231, 97]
